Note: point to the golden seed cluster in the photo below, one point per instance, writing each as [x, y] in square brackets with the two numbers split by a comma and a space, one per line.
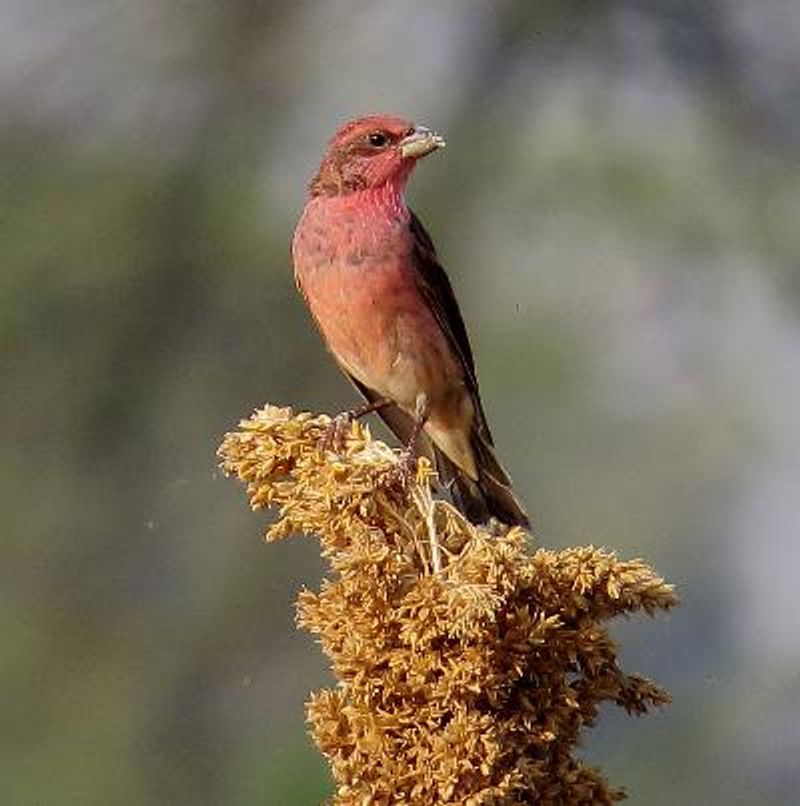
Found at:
[468, 662]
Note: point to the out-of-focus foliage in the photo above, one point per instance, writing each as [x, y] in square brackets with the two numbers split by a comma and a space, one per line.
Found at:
[618, 210]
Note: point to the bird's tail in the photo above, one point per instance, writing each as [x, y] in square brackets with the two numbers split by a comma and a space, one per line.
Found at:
[490, 496]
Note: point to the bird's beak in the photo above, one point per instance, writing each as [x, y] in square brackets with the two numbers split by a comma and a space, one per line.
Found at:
[420, 143]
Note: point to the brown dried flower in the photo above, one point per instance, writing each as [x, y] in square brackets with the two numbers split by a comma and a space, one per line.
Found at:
[467, 662]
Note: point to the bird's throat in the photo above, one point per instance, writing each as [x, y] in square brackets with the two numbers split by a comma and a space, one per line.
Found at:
[386, 201]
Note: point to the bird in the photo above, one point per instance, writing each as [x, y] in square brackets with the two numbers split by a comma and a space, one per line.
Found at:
[371, 278]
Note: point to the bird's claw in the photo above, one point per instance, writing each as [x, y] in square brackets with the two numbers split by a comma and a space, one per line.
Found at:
[405, 471]
[334, 438]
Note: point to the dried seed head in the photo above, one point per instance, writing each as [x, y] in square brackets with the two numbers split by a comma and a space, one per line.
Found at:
[470, 685]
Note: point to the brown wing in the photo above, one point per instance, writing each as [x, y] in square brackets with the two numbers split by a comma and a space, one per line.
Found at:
[434, 285]
[491, 494]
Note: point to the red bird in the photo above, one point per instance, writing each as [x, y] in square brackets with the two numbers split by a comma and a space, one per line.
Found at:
[370, 275]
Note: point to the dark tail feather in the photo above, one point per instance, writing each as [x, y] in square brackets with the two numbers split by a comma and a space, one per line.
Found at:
[490, 496]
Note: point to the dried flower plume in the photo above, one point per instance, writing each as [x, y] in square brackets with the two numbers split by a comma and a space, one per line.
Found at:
[467, 662]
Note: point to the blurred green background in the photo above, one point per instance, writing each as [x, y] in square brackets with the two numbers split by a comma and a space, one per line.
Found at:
[618, 209]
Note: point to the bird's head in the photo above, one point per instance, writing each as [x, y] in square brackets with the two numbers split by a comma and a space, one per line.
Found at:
[372, 152]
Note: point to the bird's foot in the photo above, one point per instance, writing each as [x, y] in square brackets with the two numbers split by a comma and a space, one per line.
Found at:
[405, 471]
[335, 436]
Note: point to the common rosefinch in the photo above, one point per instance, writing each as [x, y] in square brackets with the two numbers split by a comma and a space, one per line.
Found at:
[370, 275]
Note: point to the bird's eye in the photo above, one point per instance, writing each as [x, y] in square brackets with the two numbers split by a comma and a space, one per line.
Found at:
[377, 139]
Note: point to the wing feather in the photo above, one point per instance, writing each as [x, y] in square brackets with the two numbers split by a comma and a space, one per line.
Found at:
[435, 287]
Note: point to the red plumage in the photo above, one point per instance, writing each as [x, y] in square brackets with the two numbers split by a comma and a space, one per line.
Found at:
[370, 275]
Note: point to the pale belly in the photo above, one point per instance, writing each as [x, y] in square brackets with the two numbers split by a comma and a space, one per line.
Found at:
[381, 331]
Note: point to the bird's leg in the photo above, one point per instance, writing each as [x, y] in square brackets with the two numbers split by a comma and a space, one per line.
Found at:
[408, 457]
[367, 408]
[339, 425]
